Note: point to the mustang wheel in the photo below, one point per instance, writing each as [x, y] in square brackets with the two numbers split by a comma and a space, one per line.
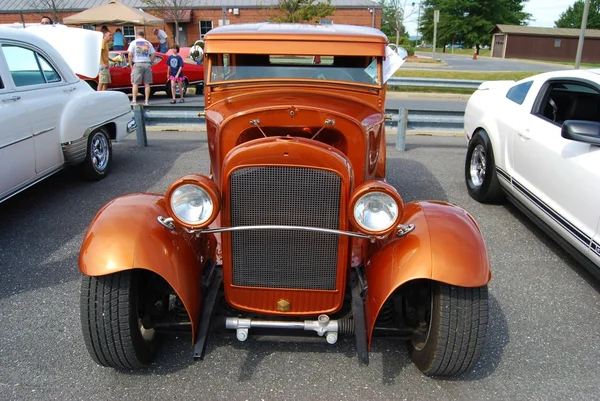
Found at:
[480, 170]
[113, 309]
[451, 340]
[99, 155]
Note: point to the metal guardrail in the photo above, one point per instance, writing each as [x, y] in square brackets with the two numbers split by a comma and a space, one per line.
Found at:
[435, 82]
[187, 115]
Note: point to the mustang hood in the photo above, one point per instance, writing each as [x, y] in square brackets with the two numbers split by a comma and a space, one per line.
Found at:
[79, 47]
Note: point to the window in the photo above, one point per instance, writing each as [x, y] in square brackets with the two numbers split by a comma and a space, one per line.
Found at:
[326, 22]
[568, 100]
[129, 34]
[27, 67]
[89, 27]
[556, 42]
[518, 92]
[205, 26]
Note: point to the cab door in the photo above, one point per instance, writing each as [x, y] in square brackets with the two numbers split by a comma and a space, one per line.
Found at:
[557, 177]
[44, 94]
[17, 155]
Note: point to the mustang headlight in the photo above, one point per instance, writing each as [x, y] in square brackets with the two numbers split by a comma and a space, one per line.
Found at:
[193, 201]
[376, 208]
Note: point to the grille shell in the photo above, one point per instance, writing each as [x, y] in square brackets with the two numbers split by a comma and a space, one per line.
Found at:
[285, 259]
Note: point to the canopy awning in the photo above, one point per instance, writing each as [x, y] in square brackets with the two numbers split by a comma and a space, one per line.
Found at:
[113, 13]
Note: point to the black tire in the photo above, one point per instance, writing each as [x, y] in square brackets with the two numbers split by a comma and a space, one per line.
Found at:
[168, 88]
[98, 156]
[200, 89]
[480, 170]
[454, 338]
[112, 307]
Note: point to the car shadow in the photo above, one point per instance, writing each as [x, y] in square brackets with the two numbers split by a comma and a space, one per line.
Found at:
[554, 247]
[392, 354]
[43, 226]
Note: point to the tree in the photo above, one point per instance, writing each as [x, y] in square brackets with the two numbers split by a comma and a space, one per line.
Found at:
[394, 14]
[50, 8]
[171, 10]
[304, 10]
[572, 16]
[470, 22]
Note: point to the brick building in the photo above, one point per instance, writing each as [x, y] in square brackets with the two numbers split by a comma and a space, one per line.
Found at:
[198, 17]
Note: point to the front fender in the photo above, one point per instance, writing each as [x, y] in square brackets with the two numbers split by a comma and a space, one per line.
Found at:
[446, 246]
[125, 235]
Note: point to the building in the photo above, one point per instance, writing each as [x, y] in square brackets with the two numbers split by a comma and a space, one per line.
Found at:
[198, 17]
[551, 44]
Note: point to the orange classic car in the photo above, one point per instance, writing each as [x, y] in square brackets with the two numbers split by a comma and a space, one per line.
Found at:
[294, 231]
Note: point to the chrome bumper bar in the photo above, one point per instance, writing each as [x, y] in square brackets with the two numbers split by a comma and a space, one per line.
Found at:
[402, 229]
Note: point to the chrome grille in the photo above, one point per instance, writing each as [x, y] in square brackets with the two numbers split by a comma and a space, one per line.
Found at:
[291, 196]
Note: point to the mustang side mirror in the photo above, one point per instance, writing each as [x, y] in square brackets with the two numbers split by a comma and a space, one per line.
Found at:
[582, 131]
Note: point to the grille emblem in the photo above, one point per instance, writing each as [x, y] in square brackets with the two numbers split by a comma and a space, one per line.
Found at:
[283, 305]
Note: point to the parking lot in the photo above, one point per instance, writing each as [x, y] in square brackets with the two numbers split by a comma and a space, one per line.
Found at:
[543, 337]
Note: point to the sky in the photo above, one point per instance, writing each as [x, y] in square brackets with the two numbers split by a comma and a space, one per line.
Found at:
[543, 12]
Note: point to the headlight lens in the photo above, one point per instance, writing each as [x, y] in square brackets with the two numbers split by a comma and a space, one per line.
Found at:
[375, 211]
[191, 204]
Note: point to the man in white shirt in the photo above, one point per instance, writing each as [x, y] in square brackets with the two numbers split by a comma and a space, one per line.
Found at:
[141, 56]
[162, 40]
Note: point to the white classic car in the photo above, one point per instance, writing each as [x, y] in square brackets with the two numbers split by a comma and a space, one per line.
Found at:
[537, 141]
[49, 117]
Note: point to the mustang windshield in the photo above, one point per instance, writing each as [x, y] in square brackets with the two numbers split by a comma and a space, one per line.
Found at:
[237, 67]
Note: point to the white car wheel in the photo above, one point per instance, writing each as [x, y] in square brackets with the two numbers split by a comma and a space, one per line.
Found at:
[480, 170]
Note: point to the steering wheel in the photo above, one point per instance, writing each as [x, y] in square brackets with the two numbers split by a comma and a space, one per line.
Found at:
[337, 74]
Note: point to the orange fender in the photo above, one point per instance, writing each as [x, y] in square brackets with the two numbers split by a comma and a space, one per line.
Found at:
[446, 246]
[125, 235]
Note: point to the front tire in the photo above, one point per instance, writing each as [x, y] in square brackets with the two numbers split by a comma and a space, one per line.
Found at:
[113, 308]
[480, 170]
[98, 157]
[452, 339]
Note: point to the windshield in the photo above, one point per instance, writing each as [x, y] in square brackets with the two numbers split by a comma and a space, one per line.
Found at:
[236, 67]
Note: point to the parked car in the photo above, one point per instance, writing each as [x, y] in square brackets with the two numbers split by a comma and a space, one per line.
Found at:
[50, 118]
[295, 229]
[537, 143]
[120, 74]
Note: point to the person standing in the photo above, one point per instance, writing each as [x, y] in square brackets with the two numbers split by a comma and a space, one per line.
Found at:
[118, 40]
[141, 56]
[175, 72]
[162, 39]
[104, 70]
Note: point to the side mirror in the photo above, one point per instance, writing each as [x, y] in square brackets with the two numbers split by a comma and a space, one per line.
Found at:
[581, 131]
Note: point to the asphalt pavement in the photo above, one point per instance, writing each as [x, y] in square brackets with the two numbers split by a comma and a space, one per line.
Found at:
[543, 337]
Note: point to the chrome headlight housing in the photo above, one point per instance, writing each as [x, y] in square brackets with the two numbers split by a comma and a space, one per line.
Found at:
[191, 204]
[193, 201]
[376, 208]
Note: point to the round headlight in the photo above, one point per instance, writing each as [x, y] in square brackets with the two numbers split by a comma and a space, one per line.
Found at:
[191, 204]
[376, 211]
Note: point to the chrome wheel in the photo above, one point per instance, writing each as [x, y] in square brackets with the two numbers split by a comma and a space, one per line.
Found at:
[99, 151]
[478, 165]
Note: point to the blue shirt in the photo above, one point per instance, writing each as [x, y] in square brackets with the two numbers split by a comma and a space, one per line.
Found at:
[175, 62]
[118, 39]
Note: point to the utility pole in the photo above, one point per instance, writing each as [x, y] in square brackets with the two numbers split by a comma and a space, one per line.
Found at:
[436, 19]
[224, 16]
[586, 11]
[418, 24]
[372, 10]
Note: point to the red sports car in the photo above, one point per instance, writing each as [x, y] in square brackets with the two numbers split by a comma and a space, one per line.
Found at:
[120, 74]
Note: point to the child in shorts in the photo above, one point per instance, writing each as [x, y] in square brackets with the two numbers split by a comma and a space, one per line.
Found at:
[175, 72]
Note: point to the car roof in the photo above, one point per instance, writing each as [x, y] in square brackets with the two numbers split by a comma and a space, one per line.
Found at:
[299, 39]
[591, 74]
[316, 32]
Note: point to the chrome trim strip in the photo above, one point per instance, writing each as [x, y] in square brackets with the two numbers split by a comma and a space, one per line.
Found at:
[15, 142]
[44, 131]
[75, 151]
